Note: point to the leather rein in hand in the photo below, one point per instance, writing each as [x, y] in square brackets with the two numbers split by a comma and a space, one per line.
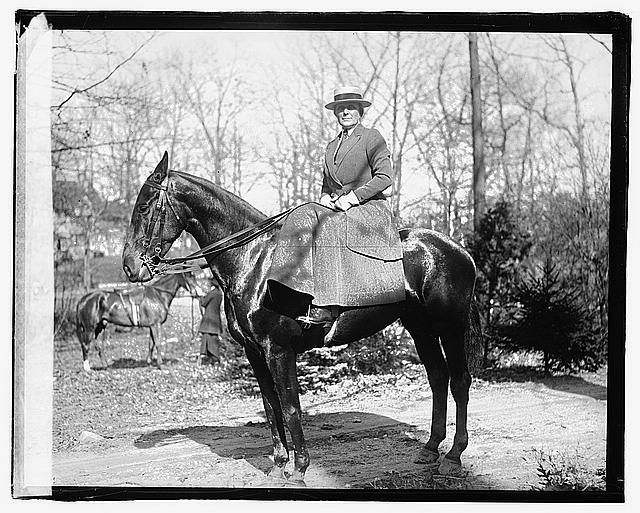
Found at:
[158, 265]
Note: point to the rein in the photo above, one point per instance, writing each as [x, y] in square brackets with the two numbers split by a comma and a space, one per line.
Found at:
[158, 265]
[235, 240]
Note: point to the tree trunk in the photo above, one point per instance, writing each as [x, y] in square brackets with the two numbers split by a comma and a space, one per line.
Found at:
[395, 144]
[547, 363]
[577, 112]
[86, 262]
[487, 323]
[237, 162]
[479, 177]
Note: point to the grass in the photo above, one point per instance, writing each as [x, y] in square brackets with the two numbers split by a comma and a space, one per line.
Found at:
[419, 480]
[565, 471]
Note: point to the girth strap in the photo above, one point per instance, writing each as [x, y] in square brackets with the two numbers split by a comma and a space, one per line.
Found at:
[134, 314]
[135, 309]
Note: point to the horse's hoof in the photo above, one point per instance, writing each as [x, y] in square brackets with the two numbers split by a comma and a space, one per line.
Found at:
[427, 456]
[273, 482]
[449, 467]
[86, 366]
[276, 473]
[296, 483]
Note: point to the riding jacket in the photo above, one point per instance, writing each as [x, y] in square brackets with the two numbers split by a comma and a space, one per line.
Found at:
[362, 164]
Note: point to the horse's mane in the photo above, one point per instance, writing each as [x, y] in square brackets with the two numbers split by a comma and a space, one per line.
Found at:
[228, 198]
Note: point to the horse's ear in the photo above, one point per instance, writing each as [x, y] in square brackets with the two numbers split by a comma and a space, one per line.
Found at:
[160, 172]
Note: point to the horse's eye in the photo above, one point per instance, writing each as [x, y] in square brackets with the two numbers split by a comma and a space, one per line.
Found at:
[143, 209]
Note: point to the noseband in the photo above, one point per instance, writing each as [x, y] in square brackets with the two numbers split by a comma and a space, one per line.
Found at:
[155, 229]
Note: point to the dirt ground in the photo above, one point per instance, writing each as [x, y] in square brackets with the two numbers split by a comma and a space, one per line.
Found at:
[203, 426]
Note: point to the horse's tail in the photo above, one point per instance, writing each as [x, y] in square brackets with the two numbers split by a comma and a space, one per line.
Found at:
[82, 328]
[473, 341]
[88, 313]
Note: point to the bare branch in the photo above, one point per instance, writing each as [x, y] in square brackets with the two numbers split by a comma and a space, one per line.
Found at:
[108, 76]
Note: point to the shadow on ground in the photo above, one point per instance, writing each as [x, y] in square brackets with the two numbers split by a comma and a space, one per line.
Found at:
[576, 385]
[563, 383]
[130, 363]
[353, 449]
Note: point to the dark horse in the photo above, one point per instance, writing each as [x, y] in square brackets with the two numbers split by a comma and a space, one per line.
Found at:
[140, 307]
[439, 275]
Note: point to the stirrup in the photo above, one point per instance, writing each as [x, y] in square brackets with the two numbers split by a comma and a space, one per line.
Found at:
[305, 320]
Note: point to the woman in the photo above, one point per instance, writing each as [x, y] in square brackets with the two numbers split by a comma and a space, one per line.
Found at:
[345, 251]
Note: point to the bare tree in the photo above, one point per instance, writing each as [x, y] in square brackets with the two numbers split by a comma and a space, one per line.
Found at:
[574, 131]
[216, 96]
[441, 135]
[479, 175]
[300, 127]
[94, 141]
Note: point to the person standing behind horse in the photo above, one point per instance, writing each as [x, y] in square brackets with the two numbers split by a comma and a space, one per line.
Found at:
[210, 326]
[343, 252]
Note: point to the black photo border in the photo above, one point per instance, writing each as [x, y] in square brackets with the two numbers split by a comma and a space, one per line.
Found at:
[618, 25]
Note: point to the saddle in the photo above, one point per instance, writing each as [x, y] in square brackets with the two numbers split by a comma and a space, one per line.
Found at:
[132, 310]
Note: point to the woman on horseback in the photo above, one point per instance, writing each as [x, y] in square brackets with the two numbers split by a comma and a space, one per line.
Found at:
[344, 251]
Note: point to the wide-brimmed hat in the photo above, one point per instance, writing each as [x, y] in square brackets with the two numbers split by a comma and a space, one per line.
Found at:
[347, 94]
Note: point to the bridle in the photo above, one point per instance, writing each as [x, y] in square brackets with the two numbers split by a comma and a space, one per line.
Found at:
[155, 229]
[157, 265]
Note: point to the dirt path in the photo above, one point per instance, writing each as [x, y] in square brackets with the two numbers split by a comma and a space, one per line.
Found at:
[365, 438]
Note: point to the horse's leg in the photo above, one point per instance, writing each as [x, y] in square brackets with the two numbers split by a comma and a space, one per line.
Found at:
[85, 344]
[428, 348]
[453, 345]
[156, 333]
[159, 337]
[101, 346]
[98, 332]
[151, 345]
[282, 363]
[273, 411]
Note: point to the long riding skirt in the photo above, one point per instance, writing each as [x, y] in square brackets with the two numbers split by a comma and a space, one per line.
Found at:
[349, 259]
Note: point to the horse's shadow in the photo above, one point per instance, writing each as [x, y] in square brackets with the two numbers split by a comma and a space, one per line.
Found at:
[130, 363]
[336, 441]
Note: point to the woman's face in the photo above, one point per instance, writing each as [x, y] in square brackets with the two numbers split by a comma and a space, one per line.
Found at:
[348, 114]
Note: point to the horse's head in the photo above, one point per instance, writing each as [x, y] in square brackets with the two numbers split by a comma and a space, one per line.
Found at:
[156, 222]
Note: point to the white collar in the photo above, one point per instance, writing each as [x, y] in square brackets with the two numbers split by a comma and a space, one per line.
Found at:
[350, 130]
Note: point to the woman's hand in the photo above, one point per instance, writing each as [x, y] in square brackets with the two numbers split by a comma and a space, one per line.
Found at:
[347, 201]
[327, 201]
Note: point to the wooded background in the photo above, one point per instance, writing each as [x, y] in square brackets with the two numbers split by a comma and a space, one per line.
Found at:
[499, 140]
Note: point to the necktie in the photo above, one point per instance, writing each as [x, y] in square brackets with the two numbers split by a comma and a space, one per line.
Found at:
[343, 137]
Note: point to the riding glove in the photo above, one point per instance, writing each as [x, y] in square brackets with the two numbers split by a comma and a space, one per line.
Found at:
[347, 201]
[327, 201]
